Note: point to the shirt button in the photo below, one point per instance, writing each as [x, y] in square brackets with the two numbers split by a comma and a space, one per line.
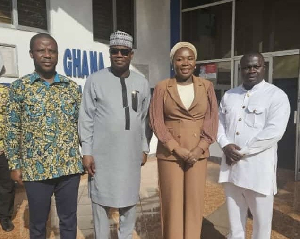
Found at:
[240, 119]
[195, 134]
[244, 107]
[248, 95]
[237, 133]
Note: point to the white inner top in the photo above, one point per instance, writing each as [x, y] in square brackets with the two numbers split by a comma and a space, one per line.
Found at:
[186, 93]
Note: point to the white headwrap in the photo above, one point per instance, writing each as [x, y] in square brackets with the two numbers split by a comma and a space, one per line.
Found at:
[182, 45]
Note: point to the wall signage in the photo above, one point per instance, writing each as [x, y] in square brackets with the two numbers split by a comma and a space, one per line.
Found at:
[80, 64]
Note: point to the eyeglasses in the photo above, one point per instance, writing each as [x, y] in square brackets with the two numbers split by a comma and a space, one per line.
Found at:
[248, 68]
[115, 51]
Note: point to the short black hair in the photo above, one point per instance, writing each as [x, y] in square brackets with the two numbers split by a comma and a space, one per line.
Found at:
[252, 54]
[38, 36]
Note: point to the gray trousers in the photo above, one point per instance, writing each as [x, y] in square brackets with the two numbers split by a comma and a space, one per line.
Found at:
[102, 222]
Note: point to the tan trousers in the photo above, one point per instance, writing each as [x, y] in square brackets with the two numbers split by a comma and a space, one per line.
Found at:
[182, 198]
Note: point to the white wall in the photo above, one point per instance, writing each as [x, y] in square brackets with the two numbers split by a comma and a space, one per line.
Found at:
[71, 25]
[153, 38]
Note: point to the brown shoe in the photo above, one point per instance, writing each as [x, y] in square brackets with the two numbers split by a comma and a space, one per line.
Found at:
[7, 224]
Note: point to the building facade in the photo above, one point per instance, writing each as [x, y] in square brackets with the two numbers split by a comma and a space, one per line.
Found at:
[82, 30]
[223, 31]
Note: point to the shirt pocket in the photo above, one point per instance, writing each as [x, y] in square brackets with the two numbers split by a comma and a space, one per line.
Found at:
[226, 111]
[68, 106]
[255, 116]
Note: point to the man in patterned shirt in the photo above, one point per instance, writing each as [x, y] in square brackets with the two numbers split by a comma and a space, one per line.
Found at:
[42, 140]
[7, 186]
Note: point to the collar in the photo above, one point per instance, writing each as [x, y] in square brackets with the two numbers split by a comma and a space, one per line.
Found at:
[57, 78]
[254, 88]
[196, 81]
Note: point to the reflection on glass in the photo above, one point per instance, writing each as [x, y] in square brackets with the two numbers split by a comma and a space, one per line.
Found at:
[195, 3]
[270, 27]
[6, 11]
[286, 17]
[218, 74]
[286, 67]
[32, 13]
[209, 29]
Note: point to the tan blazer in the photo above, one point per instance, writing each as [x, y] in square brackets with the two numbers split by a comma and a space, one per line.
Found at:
[175, 125]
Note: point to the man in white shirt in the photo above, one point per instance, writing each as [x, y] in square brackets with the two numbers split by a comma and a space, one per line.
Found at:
[253, 118]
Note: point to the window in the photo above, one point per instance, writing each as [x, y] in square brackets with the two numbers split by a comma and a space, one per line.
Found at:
[271, 27]
[209, 29]
[110, 16]
[196, 3]
[219, 73]
[6, 11]
[29, 13]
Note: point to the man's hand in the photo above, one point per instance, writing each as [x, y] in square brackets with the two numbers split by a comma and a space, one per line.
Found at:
[144, 159]
[182, 153]
[16, 176]
[232, 154]
[230, 161]
[89, 164]
[194, 155]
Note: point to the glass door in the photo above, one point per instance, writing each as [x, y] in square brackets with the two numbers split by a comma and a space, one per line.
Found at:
[286, 77]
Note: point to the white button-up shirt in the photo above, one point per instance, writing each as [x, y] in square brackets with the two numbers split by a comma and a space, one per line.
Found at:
[255, 120]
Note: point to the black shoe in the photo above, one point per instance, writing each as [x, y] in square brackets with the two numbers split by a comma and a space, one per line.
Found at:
[7, 224]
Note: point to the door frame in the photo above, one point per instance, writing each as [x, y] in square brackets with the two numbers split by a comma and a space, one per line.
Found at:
[297, 164]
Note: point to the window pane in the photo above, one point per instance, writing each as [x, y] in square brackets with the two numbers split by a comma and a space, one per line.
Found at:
[285, 67]
[218, 73]
[209, 30]
[102, 19]
[5, 11]
[252, 27]
[286, 25]
[270, 27]
[32, 13]
[125, 16]
[195, 3]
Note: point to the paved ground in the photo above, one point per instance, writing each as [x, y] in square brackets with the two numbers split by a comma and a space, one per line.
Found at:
[286, 223]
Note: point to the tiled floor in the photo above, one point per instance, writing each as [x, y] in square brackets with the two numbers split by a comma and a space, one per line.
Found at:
[286, 222]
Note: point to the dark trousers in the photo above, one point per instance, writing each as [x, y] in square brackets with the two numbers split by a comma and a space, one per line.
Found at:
[7, 190]
[39, 195]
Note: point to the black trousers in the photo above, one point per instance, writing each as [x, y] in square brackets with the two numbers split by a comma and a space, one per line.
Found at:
[65, 190]
[7, 189]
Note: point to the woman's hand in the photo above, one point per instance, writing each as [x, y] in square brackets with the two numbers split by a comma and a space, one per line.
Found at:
[194, 155]
[182, 153]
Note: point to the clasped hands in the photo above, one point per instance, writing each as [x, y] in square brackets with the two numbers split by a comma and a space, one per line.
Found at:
[190, 157]
[232, 154]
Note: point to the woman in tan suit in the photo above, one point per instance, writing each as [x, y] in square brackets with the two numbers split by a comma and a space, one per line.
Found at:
[184, 117]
